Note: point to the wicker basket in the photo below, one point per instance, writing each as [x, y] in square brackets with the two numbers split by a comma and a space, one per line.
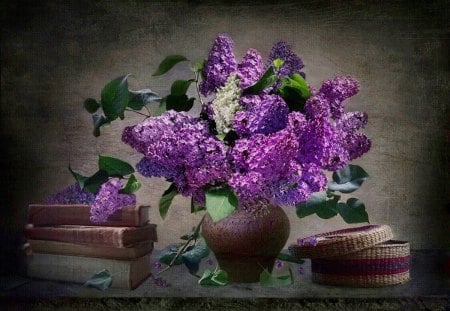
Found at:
[382, 265]
[341, 242]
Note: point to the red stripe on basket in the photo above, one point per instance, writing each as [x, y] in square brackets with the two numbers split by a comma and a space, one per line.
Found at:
[381, 266]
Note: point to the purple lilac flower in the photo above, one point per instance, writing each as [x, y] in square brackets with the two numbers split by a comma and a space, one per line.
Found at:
[320, 145]
[219, 65]
[72, 194]
[278, 264]
[262, 114]
[292, 63]
[266, 168]
[179, 147]
[313, 241]
[108, 200]
[336, 91]
[300, 270]
[352, 121]
[250, 69]
[157, 265]
[160, 282]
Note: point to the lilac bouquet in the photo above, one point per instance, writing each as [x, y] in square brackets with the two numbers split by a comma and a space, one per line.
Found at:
[264, 136]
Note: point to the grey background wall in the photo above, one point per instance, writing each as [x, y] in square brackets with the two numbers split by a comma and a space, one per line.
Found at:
[56, 53]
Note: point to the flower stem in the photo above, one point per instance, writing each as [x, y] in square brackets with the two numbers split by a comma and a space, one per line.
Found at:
[197, 73]
[143, 114]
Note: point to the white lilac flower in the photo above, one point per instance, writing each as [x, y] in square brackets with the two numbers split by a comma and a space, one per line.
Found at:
[226, 104]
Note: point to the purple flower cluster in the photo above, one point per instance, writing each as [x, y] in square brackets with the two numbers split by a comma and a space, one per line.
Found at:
[292, 63]
[179, 148]
[250, 69]
[262, 114]
[220, 64]
[72, 194]
[108, 200]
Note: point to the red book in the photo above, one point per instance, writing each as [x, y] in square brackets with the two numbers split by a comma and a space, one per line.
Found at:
[73, 214]
[111, 236]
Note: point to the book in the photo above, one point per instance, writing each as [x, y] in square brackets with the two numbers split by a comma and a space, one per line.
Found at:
[91, 250]
[127, 274]
[44, 215]
[109, 236]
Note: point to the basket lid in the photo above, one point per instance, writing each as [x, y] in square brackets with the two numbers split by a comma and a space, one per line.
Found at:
[340, 242]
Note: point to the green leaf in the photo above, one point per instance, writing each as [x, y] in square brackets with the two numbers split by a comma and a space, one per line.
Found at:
[268, 79]
[277, 63]
[348, 179]
[192, 257]
[353, 212]
[114, 167]
[329, 210]
[180, 87]
[179, 103]
[98, 121]
[91, 105]
[93, 183]
[295, 92]
[115, 97]
[267, 280]
[168, 63]
[78, 177]
[132, 185]
[138, 99]
[168, 253]
[317, 201]
[166, 200]
[289, 258]
[214, 278]
[220, 203]
[101, 280]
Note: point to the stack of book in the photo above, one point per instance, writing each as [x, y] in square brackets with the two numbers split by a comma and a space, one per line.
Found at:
[66, 246]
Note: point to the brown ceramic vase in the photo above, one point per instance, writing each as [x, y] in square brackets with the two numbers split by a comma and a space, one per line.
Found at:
[247, 242]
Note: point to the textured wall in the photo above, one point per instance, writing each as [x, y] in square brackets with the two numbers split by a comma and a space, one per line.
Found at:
[55, 54]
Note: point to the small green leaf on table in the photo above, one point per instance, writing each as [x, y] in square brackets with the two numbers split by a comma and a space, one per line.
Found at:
[132, 185]
[353, 211]
[267, 280]
[166, 200]
[220, 203]
[168, 64]
[168, 253]
[193, 255]
[214, 278]
[101, 280]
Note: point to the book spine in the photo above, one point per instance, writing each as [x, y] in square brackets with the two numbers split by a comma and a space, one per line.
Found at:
[98, 251]
[80, 269]
[73, 214]
[110, 236]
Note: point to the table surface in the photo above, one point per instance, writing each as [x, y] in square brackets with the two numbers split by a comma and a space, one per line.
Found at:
[427, 280]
